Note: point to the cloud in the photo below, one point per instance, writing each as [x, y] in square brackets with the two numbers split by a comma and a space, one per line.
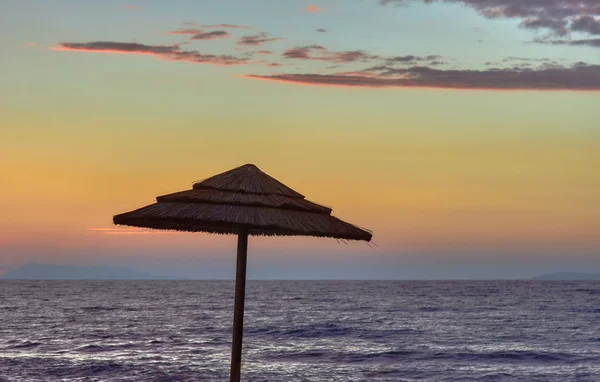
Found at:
[523, 62]
[264, 52]
[402, 59]
[163, 52]
[210, 35]
[578, 77]
[410, 59]
[302, 52]
[312, 9]
[191, 31]
[593, 42]
[117, 47]
[256, 40]
[216, 26]
[319, 53]
[198, 34]
[587, 24]
[230, 26]
[513, 58]
[322, 30]
[559, 17]
[142, 233]
[130, 231]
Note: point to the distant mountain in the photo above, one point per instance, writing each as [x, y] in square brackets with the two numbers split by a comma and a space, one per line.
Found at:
[569, 276]
[35, 271]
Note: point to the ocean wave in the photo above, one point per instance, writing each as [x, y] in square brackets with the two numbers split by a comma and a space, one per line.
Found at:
[26, 345]
[404, 355]
[585, 310]
[308, 331]
[511, 356]
[330, 330]
[95, 348]
[342, 357]
[99, 308]
[588, 290]
[430, 309]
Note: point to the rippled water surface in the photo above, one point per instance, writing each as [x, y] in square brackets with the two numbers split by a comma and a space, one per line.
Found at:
[300, 331]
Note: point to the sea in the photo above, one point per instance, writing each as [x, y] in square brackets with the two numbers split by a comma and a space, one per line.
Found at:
[301, 331]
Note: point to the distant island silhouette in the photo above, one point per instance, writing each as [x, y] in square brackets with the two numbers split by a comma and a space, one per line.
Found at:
[36, 271]
[569, 276]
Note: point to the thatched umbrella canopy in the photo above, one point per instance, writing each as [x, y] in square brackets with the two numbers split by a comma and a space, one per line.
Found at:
[243, 201]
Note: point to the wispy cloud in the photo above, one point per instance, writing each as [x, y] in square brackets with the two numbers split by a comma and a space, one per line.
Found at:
[225, 26]
[319, 53]
[559, 17]
[111, 229]
[132, 231]
[210, 35]
[322, 30]
[191, 31]
[257, 40]
[215, 26]
[199, 34]
[163, 52]
[339, 68]
[117, 47]
[412, 60]
[312, 9]
[143, 233]
[593, 42]
[578, 77]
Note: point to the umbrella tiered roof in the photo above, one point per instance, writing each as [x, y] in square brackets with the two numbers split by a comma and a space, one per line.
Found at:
[242, 198]
[243, 201]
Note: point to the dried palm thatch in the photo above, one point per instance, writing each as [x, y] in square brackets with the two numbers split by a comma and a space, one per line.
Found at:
[243, 201]
[244, 198]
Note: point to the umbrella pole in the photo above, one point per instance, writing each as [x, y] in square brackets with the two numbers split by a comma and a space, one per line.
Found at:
[238, 309]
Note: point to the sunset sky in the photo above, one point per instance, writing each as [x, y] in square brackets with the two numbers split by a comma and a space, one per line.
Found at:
[464, 133]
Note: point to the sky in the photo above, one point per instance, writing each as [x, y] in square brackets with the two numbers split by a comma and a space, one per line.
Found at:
[463, 133]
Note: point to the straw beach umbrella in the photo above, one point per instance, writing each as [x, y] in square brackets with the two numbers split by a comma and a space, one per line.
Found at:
[242, 201]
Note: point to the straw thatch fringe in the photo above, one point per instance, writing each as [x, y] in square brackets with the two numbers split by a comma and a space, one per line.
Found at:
[230, 218]
[248, 178]
[245, 199]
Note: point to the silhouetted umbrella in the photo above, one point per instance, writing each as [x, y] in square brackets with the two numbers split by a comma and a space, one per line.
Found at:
[243, 201]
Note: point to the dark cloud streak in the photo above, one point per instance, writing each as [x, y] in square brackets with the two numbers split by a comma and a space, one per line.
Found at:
[556, 16]
[198, 34]
[210, 35]
[319, 53]
[168, 53]
[410, 59]
[593, 42]
[231, 26]
[579, 77]
[257, 40]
